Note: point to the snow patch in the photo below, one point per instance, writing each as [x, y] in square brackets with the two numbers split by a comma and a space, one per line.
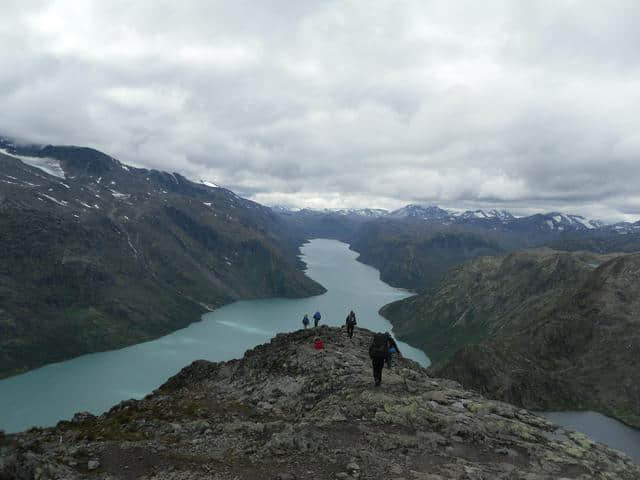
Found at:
[85, 205]
[62, 203]
[583, 221]
[209, 184]
[208, 204]
[119, 195]
[47, 165]
[124, 167]
[550, 224]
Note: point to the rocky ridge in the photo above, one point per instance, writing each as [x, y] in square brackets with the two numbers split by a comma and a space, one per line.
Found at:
[539, 328]
[286, 411]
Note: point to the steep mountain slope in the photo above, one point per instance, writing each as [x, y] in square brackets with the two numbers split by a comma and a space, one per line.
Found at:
[286, 411]
[415, 255]
[542, 329]
[98, 255]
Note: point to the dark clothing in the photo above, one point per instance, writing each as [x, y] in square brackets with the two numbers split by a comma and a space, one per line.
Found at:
[350, 322]
[379, 352]
[378, 364]
[350, 327]
[316, 319]
[305, 321]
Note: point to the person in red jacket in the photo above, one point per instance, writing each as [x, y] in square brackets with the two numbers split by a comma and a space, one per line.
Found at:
[318, 344]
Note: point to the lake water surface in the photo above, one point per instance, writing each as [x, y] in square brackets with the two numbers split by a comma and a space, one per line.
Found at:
[97, 381]
[601, 429]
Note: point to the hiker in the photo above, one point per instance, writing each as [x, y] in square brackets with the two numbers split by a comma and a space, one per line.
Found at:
[316, 319]
[305, 320]
[350, 322]
[318, 344]
[378, 351]
[393, 348]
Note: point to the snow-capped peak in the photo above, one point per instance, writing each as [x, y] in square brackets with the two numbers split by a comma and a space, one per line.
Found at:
[431, 212]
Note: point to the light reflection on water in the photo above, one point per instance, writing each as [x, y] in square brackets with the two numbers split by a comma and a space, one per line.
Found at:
[97, 381]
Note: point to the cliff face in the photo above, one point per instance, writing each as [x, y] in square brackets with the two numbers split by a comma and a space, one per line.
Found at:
[539, 328]
[286, 411]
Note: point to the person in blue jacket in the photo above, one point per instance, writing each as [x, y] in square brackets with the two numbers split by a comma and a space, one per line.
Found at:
[393, 348]
[305, 320]
[316, 319]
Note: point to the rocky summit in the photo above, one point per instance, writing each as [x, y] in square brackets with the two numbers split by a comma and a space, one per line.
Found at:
[287, 411]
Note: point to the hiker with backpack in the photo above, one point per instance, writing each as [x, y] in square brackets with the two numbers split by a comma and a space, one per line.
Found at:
[350, 322]
[316, 319]
[378, 351]
[305, 320]
[393, 348]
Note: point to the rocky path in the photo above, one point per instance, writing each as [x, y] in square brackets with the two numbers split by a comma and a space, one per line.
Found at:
[286, 411]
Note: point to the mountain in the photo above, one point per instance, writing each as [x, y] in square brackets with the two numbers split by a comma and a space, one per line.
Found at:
[309, 223]
[286, 411]
[414, 254]
[554, 222]
[423, 212]
[543, 329]
[97, 254]
[624, 228]
[413, 247]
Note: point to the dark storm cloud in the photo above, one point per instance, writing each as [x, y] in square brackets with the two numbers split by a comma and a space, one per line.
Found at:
[523, 105]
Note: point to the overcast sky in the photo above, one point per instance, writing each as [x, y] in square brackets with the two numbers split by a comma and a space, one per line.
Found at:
[526, 105]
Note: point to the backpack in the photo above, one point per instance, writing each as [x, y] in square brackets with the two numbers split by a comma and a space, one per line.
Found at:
[380, 346]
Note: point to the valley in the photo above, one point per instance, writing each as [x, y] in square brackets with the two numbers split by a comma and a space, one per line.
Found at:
[110, 255]
[98, 255]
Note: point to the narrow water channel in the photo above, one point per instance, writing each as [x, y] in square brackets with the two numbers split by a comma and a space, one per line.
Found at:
[95, 382]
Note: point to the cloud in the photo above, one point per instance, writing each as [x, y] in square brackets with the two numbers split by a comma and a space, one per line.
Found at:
[523, 105]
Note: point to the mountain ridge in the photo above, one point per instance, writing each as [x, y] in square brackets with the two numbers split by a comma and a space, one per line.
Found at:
[286, 411]
[103, 255]
[544, 329]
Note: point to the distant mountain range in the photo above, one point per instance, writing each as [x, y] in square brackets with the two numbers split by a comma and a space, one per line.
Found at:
[542, 222]
[96, 254]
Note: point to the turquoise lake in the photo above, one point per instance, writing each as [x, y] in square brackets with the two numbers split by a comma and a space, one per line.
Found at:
[96, 382]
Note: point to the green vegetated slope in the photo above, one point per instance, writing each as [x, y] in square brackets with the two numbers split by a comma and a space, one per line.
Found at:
[113, 255]
[417, 254]
[539, 328]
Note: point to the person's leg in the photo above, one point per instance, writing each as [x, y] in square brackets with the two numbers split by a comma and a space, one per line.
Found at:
[378, 364]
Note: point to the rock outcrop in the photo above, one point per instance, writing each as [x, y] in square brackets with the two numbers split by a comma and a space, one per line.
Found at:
[287, 411]
[542, 329]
